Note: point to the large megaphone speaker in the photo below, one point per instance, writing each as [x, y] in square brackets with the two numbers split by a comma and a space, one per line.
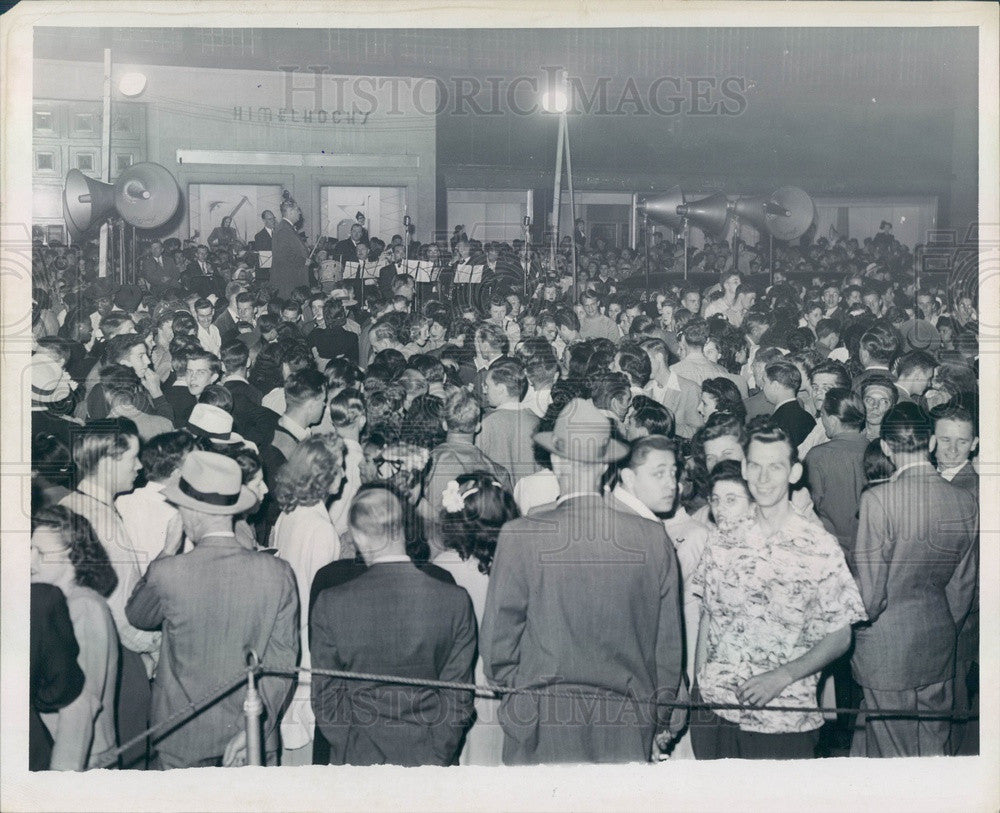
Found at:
[663, 209]
[708, 214]
[786, 214]
[145, 195]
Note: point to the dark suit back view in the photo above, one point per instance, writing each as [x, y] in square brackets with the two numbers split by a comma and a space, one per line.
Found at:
[393, 619]
[917, 566]
[583, 598]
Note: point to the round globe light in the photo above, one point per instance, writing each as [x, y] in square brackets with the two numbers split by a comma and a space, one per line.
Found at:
[132, 84]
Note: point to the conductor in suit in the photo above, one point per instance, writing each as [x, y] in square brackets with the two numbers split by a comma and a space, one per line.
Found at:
[210, 619]
[392, 619]
[917, 564]
[583, 598]
[289, 258]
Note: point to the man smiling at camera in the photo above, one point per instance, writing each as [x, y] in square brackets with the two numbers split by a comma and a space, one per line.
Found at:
[777, 606]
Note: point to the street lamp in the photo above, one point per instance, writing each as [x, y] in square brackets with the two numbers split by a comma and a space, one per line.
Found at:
[556, 99]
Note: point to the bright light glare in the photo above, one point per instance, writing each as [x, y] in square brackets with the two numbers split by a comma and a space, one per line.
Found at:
[555, 101]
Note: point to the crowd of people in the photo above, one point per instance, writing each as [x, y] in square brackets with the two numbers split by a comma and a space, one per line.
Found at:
[606, 501]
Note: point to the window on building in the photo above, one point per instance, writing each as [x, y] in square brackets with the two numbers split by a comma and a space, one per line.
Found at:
[85, 162]
[45, 161]
[43, 119]
[83, 122]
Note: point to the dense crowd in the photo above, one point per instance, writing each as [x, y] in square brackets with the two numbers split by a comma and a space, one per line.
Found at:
[605, 500]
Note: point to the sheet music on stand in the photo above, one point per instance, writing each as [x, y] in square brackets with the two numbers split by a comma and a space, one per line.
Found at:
[355, 270]
[422, 270]
[468, 274]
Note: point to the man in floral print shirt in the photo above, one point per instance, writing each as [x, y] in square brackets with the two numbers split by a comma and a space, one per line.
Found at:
[777, 606]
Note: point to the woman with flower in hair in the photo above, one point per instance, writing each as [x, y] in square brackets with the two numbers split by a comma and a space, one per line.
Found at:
[305, 537]
[65, 552]
[474, 508]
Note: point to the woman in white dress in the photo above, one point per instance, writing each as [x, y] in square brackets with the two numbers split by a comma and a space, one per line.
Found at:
[474, 509]
[306, 538]
[65, 552]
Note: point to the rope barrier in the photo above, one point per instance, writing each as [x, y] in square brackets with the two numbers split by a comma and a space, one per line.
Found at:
[108, 758]
[489, 690]
[193, 708]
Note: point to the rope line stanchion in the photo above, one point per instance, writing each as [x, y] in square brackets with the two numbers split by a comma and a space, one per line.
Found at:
[253, 708]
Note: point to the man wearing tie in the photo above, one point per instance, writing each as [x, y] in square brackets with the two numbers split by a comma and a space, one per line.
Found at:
[202, 278]
[289, 258]
[387, 273]
[262, 240]
[158, 271]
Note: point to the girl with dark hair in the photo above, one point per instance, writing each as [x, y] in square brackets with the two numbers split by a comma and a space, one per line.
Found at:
[474, 508]
[721, 395]
[65, 552]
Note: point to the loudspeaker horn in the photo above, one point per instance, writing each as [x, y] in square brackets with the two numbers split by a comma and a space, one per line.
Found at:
[664, 208]
[790, 213]
[145, 195]
[85, 202]
[785, 214]
[709, 214]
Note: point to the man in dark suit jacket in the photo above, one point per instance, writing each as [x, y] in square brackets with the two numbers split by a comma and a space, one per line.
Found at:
[917, 564]
[781, 384]
[392, 619]
[262, 240]
[210, 620]
[56, 678]
[955, 439]
[835, 469]
[157, 268]
[346, 251]
[582, 597]
[200, 276]
[289, 258]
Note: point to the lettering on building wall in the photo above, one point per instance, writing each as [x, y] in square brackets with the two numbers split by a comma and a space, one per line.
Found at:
[297, 115]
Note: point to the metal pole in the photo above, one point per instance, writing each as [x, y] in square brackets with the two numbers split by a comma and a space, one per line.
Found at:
[252, 709]
[770, 257]
[120, 266]
[633, 222]
[102, 268]
[645, 231]
[572, 204]
[687, 237]
[556, 189]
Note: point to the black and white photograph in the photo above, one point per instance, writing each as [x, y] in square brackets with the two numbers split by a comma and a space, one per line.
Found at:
[526, 407]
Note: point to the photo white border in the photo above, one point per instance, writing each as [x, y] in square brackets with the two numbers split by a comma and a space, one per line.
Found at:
[934, 785]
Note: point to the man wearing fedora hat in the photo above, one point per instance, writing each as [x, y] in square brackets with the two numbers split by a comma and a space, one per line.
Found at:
[210, 620]
[583, 598]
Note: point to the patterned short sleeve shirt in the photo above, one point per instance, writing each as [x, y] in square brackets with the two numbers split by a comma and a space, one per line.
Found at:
[769, 599]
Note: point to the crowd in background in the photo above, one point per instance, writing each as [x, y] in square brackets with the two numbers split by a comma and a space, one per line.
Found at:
[371, 475]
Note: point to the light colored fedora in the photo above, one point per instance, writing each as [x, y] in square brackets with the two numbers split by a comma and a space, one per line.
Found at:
[211, 483]
[582, 433]
[214, 423]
